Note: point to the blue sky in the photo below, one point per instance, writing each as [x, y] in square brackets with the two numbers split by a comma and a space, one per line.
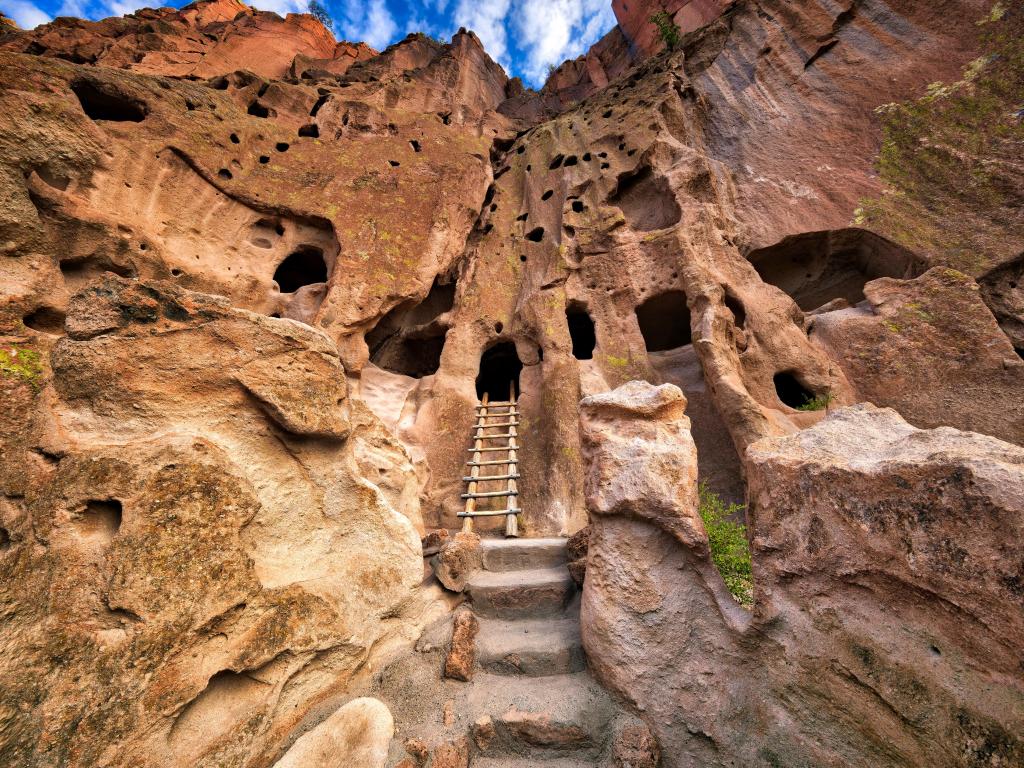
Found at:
[524, 36]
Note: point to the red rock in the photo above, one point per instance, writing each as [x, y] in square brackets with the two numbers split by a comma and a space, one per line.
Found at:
[636, 747]
[452, 754]
[461, 658]
[457, 560]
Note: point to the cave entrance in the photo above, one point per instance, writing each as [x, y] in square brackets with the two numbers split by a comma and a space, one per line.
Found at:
[665, 321]
[101, 104]
[500, 367]
[306, 266]
[409, 339]
[815, 268]
[791, 391]
[581, 330]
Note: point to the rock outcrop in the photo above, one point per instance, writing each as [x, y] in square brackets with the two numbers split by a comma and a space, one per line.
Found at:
[887, 600]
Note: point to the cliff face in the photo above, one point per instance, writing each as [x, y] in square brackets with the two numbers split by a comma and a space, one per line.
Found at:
[255, 281]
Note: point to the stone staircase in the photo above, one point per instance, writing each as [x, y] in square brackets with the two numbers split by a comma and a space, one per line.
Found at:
[531, 701]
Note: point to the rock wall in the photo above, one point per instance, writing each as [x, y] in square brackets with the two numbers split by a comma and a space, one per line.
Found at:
[884, 629]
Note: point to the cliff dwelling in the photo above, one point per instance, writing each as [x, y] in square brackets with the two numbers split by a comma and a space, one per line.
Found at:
[512, 385]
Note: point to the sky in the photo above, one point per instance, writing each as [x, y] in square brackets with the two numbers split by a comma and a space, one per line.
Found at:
[524, 36]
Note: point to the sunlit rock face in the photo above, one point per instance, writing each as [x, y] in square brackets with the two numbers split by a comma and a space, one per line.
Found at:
[254, 282]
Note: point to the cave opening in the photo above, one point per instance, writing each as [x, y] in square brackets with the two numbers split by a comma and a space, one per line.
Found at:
[410, 338]
[664, 321]
[790, 390]
[45, 320]
[581, 331]
[815, 268]
[500, 367]
[736, 307]
[101, 519]
[305, 266]
[646, 200]
[104, 105]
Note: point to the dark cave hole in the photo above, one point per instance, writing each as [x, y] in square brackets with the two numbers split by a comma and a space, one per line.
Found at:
[557, 162]
[234, 138]
[258, 110]
[409, 339]
[306, 266]
[521, 149]
[100, 104]
[586, 157]
[607, 114]
[45, 320]
[547, 195]
[224, 173]
[5, 539]
[578, 206]
[815, 268]
[570, 160]
[665, 321]
[522, 258]
[282, 146]
[790, 390]
[310, 131]
[500, 367]
[319, 103]
[415, 145]
[394, 163]
[219, 83]
[522, 217]
[535, 235]
[264, 159]
[736, 307]
[581, 330]
[499, 327]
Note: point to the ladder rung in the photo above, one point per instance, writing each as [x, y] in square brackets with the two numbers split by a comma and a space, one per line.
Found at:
[485, 478]
[499, 424]
[490, 513]
[497, 403]
[492, 450]
[500, 436]
[491, 495]
[491, 463]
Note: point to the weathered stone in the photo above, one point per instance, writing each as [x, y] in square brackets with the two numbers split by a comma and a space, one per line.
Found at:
[461, 658]
[452, 754]
[359, 733]
[636, 747]
[457, 560]
[539, 729]
[576, 552]
[434, 540]
[483, 732]
[418, 749]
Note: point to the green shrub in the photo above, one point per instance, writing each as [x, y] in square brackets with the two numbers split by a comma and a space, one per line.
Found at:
[819, 403]
[319, 11]
[669, 33]
[730, 551]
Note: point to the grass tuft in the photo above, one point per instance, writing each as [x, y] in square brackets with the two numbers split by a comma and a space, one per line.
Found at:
[730, 551]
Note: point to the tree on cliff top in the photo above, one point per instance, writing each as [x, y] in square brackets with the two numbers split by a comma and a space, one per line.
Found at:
[319, 11]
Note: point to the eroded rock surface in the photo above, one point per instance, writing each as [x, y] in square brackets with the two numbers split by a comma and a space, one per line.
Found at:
[886, 567]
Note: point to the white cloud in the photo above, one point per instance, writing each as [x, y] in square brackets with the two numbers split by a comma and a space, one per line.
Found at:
[280, 7]
[487, 19]
[24, 14]
[371, 23]
[551, 31]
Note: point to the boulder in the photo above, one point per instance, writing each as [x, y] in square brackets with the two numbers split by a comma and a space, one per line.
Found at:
[457, 560]
[358, 734]
[461, 657]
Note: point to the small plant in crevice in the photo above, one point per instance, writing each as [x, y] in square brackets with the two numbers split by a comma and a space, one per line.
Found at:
[319, 12]
[727, 539]
[22, 364]
[818, 403]
[668, 31]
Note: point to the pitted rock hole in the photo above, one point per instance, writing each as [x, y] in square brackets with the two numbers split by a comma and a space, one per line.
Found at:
[817, 267]
[500, 367]
[581, 330]
[664, 321]
[646, 200]
[104, 104]
[100, 520]
[45, 320]
[410, 338]
[306, 266]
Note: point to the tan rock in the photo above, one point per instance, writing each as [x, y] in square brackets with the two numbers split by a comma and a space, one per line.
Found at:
[434, 541]
[457, 560]
[461, 658]
[483, 732]
[636, 747]
[452, 754]
[359, 733]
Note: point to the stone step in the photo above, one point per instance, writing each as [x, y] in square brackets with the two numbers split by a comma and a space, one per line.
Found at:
[560, 715]
[522, 554]
[534, 647]
[519, 761]
[534, 593]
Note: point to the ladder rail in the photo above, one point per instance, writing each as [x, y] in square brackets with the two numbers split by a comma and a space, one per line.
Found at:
[506, 414]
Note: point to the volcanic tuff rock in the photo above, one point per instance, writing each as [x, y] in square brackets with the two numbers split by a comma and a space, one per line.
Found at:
[253, 282]
[888, 606]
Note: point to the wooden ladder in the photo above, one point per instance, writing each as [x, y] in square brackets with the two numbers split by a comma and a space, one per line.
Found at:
[507, 413]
